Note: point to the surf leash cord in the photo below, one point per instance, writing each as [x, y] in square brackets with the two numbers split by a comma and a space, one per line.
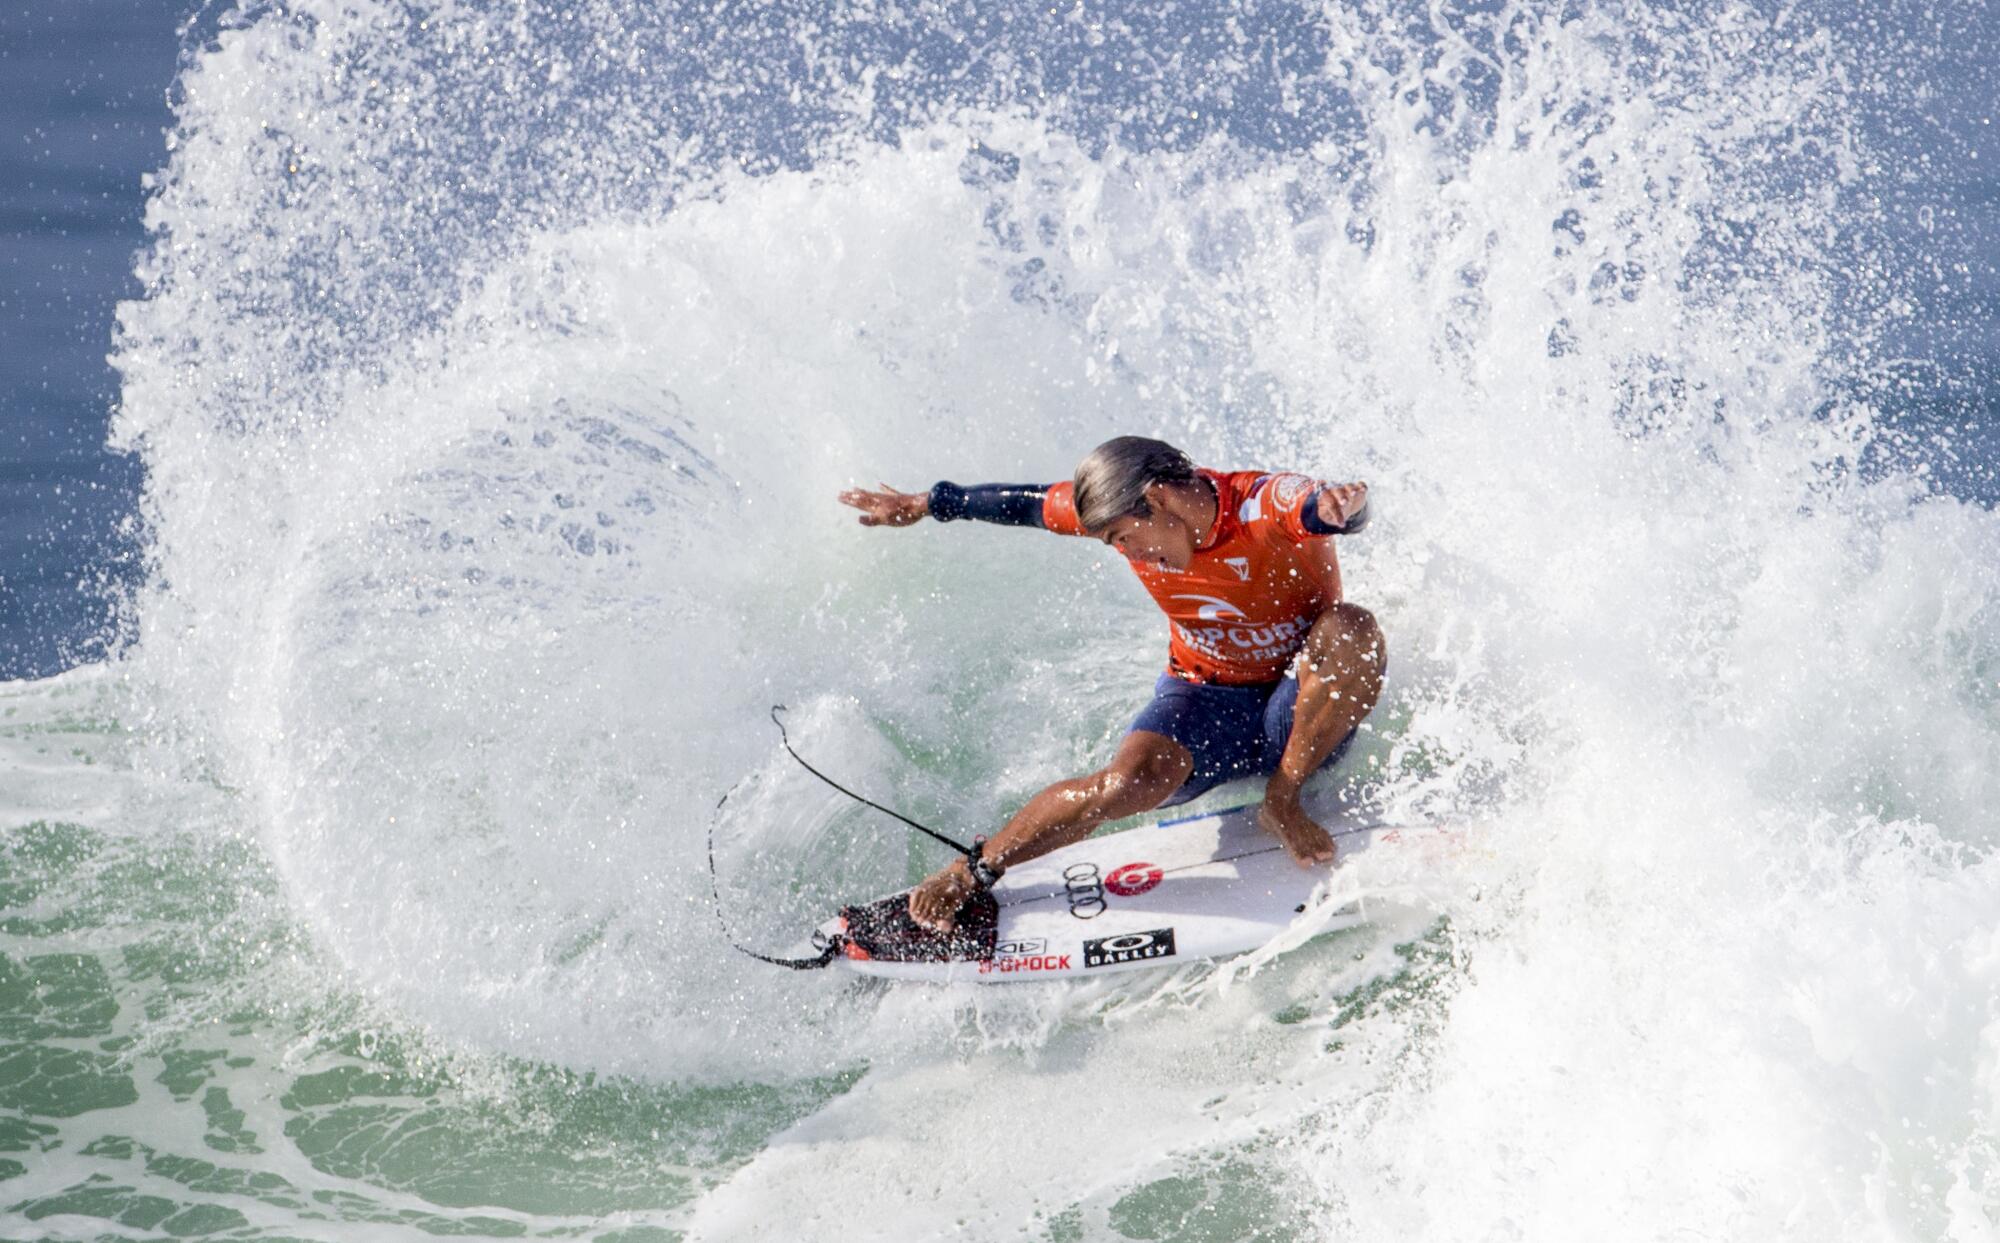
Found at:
[970, 852]
[984, 874]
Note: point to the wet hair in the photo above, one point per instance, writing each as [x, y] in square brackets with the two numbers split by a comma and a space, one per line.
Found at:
[1111, 483]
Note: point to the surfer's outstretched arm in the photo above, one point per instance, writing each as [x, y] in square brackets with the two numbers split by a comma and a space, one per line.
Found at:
[1147, 769]
[1047, 506]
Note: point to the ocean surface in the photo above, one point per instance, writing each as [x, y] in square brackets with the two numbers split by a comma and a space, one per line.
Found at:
[422, 423]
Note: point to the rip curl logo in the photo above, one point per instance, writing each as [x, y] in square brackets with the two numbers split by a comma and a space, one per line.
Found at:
[1214, 609]
[1259, 642]
[1239, 564]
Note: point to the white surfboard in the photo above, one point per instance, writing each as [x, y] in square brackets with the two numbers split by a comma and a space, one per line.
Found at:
[1155, 896]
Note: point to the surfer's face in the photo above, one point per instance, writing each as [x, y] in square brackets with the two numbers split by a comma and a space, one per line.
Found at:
[1163, 540]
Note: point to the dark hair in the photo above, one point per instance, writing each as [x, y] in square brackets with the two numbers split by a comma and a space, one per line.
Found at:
[1111, 483]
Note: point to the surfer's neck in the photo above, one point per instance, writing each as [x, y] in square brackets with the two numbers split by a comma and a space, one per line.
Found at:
[1200, 507]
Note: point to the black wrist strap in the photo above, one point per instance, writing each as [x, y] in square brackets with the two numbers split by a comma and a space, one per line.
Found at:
[984, 874]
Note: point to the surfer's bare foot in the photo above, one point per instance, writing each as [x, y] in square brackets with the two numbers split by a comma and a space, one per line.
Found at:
[934, 904]
[1283, 818]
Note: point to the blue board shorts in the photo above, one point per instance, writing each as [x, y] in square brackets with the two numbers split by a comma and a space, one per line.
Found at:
[1231, 731]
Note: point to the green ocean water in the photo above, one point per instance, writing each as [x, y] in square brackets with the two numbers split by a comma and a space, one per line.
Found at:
[174, 1066]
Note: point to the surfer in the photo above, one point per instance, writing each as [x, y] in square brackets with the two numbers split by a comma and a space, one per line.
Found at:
[1241, 564]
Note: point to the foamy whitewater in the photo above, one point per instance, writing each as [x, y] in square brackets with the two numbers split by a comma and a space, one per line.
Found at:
[496, 377]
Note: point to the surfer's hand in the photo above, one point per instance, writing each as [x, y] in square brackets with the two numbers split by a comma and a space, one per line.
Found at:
[888, 508]
[1283, 818]
[934, 904]
[1339, 503]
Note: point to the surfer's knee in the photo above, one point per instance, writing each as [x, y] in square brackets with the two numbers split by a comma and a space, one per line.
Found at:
[1346, 638]
[1141, 776]
[1124, 793]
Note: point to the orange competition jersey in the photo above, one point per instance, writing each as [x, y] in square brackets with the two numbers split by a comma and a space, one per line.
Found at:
[1241, 609]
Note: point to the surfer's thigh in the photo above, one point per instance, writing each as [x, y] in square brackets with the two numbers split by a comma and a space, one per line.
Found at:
[1220, 727]
[1147, 769]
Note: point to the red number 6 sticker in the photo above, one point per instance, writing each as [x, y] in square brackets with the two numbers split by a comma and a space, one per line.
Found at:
[1132, 879]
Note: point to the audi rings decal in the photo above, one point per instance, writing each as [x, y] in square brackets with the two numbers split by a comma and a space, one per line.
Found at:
[1085, 887]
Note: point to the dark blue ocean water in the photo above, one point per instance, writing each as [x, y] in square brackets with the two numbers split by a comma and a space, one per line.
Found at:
[84, 110]
[83, 117]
